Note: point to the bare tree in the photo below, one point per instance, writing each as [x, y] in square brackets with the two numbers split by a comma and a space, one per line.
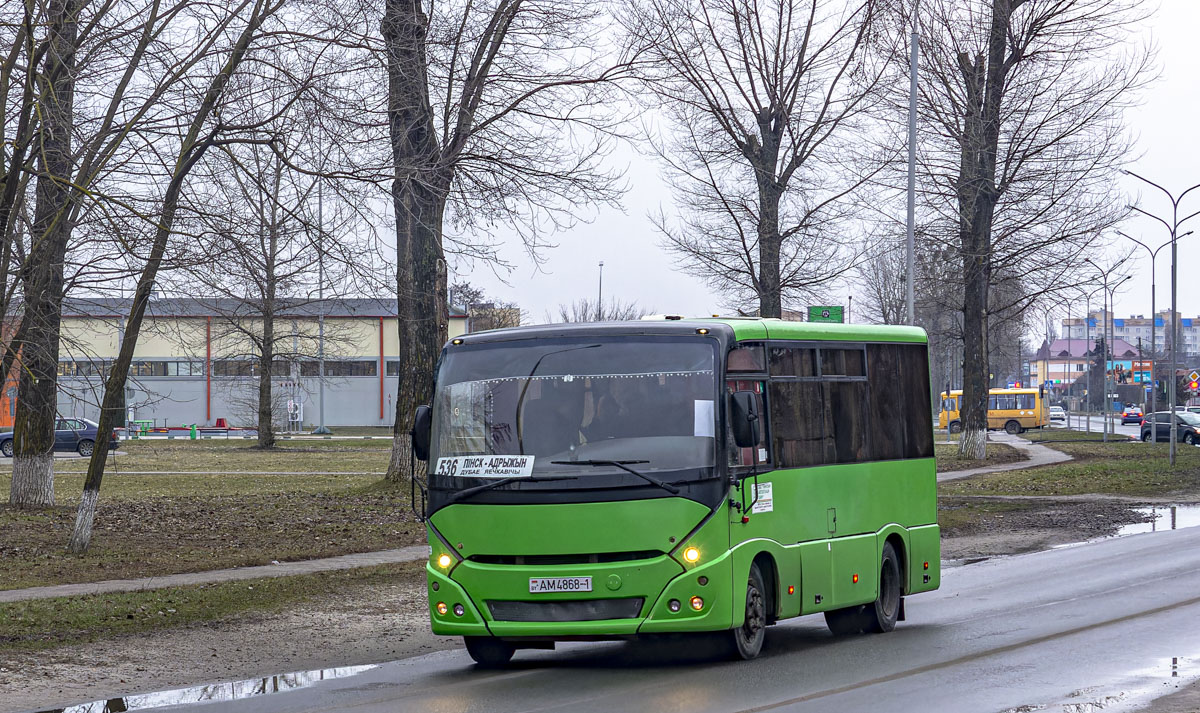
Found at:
[260, 263]
[761, 98]
[92, 85]
[1021, 102]
[587, 310]
[484, 312]
[490, 109]
[200, 133]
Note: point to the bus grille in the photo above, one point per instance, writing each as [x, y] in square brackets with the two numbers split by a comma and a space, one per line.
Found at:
[594, 558]
[578, 610]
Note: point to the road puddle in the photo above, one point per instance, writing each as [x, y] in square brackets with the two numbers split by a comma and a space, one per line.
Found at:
[216, 692]
[1163, 517]
[1134, 692]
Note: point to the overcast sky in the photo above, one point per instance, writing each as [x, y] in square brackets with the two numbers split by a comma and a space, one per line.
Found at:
[1166, 127]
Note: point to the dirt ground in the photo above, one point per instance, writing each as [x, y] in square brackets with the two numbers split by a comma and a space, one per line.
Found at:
[384, 624]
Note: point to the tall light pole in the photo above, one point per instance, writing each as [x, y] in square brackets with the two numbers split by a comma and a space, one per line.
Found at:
[600, 295]
[321, 427]
[1173, 228]
[1106, 331]
[911, 228]
[1153, 315]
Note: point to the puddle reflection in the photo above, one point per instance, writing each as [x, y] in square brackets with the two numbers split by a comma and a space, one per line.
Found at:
[1163, 517]
[230, 691]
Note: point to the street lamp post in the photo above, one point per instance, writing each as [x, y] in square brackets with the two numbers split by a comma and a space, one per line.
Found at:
[600, 295]
[1153, 315]
[1107, 332]
[321, 427]
[1173, 228]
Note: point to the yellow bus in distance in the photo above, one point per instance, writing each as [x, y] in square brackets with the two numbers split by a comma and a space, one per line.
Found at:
[1014, 410]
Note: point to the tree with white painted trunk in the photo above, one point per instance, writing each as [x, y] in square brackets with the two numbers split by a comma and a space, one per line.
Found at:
[1020, 137]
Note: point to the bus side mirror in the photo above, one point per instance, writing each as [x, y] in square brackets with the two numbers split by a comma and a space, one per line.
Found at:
[422, 425]
[743, 418]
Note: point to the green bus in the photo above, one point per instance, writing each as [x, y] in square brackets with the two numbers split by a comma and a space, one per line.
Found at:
[612, 480]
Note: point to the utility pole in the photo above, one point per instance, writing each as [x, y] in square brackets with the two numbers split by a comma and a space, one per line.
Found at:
[321, 427]
[600, 295]
[1173, 228]
[910, 238]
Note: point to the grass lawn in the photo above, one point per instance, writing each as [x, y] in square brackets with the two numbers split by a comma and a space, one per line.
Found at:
[1116, 467]
[149, 525]
[234, 455]
[997, 453]
[46, 623]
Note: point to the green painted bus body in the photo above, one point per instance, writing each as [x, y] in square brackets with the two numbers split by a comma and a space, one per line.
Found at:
[823, 539]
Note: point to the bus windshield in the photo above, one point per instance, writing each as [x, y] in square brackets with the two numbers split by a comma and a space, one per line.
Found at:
[642, 400]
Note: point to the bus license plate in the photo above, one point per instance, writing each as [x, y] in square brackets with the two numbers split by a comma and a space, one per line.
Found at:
[539, 585]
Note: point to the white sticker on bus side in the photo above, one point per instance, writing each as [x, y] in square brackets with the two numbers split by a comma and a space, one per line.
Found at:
[762, 496]
[705, 417]
[486, 467]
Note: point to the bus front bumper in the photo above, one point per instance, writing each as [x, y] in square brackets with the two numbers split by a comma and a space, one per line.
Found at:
[627, 598]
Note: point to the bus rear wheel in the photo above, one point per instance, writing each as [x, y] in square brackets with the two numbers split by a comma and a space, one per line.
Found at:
[748, 638]
[956, 426]
[488, 651]
[882, 615]
[1013, 428]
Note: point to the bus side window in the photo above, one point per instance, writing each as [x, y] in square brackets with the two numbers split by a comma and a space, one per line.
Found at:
[746, 456]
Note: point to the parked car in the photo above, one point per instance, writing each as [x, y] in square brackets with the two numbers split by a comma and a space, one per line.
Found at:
[1187, 427]
[1057, 413]
[1131, 414]
[70, 434]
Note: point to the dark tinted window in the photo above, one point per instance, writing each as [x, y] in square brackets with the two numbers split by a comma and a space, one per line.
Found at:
[747, 456]
[900, 421]
[798, 423]
[793, 361]
[842, 362]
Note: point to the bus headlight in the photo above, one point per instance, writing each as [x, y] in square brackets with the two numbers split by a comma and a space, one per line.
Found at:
[691, 554]
[444, 561]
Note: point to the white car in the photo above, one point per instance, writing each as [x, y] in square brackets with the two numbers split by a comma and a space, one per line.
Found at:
[1057, 413]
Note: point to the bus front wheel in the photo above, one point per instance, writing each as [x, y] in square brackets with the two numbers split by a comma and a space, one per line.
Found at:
[488, 651]
[748, 638]
[956, 427]
[1013, 428]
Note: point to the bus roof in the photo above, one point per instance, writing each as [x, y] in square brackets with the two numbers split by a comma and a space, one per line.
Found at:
[743, 329]
[755, 328]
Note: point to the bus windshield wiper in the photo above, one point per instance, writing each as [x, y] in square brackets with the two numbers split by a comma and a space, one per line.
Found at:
[464, 494]
[624, 465]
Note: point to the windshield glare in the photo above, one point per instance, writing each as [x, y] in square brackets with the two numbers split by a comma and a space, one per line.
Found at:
[595, 399]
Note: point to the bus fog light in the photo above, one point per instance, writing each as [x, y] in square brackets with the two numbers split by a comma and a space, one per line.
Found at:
[444, 561]
[435, 586]
[697, 603]
[691, 554]
[673, 605]
[441, 608]
[458, 610]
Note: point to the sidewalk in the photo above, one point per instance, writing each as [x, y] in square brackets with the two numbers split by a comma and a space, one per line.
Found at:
[414, 553]
[1038, 455]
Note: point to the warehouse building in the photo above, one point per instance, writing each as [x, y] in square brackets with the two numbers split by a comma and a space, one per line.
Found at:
[197, 361]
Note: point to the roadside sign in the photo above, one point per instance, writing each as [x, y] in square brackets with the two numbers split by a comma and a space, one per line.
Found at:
[1194, 376]
[827, 313]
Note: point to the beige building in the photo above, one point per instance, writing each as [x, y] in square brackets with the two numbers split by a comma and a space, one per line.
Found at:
[197, 360]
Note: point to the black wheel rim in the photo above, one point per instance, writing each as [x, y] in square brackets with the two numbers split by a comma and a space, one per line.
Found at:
[756, 614]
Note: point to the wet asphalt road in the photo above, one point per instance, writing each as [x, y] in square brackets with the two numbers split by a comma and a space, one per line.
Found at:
[1064, 627]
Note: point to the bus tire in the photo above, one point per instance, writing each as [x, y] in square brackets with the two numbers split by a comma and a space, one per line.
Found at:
[1013, 428]
[885, 611]
[956, 426]
[844, 622]
[488, 651]
[748, 638]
